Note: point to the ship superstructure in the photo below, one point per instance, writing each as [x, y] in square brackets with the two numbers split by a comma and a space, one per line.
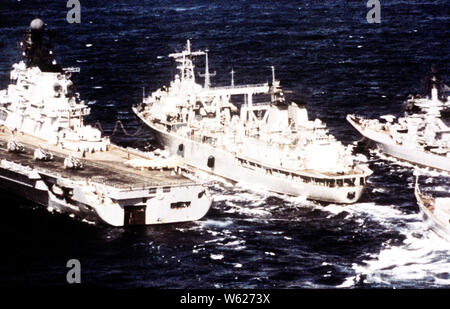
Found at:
[266, 142]
[42, 104]
[421, 136]
[50, 156]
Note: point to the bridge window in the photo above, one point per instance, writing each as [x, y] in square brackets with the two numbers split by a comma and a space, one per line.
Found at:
[349, 182]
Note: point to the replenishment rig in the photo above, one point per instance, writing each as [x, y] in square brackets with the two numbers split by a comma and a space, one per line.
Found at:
[270, 144]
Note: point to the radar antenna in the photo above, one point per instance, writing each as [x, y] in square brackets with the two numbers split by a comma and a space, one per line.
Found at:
[185, 58]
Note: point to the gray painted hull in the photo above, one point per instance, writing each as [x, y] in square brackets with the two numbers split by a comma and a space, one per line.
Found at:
[437, 226]
[226, 165]
[158, 210]
[413, 155]
[440, 227]
[20, 185]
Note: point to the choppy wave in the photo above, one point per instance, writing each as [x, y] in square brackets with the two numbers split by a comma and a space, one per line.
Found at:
[423, 259]
[416, 255]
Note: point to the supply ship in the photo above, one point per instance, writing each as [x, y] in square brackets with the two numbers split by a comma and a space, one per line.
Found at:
[421, 137]
[267, 143]
[48, 155]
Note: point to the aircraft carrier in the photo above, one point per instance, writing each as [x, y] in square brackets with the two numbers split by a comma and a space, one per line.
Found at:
[49, 156]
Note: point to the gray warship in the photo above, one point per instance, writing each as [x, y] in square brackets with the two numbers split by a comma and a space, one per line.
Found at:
[269, 144]
[421, 137]
[436, 210]
[48, 155]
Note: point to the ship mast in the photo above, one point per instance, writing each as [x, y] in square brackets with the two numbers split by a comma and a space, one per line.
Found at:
[232, 77]
[273, 74]
[186, 65]
[434, 91]
[207, 75]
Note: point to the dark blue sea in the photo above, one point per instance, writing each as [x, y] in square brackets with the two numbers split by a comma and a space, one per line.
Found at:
[325, 53]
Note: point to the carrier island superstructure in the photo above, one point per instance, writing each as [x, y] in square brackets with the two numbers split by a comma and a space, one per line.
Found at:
[48, 154]
[269, 144]
[421, 136]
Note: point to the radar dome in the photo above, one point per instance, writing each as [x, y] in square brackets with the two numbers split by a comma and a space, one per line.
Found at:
[37, 24]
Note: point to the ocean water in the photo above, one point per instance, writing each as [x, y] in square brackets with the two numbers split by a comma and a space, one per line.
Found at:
[327, 54]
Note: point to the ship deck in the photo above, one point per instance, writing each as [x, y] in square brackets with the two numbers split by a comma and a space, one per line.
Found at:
[106, 167]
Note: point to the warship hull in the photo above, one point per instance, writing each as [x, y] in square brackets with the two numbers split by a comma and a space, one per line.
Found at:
[19, 184]
[105, 191]
[410, 154]
[438, 226]
[232, 167]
